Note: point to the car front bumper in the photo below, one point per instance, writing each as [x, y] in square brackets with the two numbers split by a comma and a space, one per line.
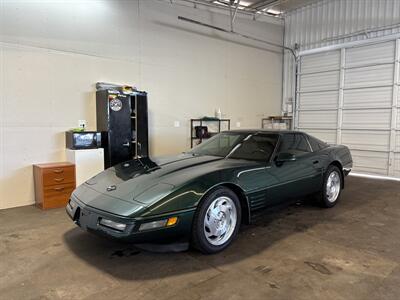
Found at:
[89, 219]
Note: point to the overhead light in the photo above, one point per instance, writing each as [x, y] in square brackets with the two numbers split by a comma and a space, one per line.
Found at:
[220, 3]
[274, 12]
[244, 3]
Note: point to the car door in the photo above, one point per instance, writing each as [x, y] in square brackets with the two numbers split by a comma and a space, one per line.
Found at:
[255, 179]
[294, 179]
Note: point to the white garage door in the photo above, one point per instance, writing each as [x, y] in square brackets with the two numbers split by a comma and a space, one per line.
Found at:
[351, 96]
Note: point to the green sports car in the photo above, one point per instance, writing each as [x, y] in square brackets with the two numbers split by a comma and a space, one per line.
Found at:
[202, 196]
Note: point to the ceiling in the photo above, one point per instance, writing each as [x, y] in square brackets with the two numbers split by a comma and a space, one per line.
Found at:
[271, 7]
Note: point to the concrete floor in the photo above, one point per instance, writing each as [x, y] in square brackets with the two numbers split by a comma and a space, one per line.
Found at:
[303, 252]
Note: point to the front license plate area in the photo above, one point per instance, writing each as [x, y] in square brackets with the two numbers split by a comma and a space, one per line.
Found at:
[87, 219]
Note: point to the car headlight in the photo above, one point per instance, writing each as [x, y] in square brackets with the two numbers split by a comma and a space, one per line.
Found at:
[158, 224]
[112, 224]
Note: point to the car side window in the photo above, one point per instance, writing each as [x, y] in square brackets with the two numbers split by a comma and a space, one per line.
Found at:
[257, 147]
[294, 143]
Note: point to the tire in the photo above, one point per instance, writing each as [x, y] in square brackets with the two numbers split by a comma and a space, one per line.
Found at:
[332, 187]
[218, 212]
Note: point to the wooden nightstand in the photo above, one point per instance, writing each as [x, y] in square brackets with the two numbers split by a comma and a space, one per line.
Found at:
[54, 183]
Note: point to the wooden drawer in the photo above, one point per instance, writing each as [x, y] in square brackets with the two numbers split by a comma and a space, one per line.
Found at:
[58, 189]
[57, 195]
[56, 176]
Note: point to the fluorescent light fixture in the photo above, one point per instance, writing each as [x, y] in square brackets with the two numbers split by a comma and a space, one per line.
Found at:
[112, 224]
[244, 3]
[220, 3]
[273, 11]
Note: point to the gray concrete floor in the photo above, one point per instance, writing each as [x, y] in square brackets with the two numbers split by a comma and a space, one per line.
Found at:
[302, 252]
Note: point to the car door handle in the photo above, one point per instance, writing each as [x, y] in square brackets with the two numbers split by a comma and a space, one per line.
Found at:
[315, 162]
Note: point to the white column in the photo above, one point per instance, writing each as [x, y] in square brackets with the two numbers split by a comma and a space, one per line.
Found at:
[395, 96]
[341, 94]
[297, 93]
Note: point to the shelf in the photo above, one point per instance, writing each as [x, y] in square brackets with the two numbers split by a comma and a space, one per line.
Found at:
[226, 123]
[216, 120]
[203, 138]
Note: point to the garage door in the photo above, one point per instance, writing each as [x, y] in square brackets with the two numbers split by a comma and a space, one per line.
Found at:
[351, 96]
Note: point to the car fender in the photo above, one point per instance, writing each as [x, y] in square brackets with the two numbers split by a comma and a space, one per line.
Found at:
[189, 195]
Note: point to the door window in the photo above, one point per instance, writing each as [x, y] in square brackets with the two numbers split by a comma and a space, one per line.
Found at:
[257, 147]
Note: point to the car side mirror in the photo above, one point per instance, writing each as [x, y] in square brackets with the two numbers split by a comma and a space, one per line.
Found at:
[283, 157]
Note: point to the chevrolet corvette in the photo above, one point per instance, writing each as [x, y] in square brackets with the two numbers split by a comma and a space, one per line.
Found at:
[203, 196]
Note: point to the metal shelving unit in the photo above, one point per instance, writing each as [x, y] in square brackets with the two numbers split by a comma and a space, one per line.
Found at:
[277, 122]
[203, 122]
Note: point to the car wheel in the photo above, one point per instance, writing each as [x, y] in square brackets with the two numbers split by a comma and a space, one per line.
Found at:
[217, 221]
[332, 187]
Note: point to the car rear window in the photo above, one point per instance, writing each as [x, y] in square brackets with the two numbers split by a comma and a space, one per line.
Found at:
[316, 144]
[294, 143]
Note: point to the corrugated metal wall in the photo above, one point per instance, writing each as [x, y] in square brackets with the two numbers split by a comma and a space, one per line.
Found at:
[350, 96]
[329, 22]
[349, 93]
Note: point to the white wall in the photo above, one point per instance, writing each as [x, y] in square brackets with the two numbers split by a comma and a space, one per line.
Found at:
[53, 52]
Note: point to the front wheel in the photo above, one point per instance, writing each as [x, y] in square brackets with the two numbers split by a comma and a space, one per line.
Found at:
[217, 221]
[332, 187]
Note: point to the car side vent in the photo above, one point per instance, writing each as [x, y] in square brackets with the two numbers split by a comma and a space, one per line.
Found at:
[257, 200]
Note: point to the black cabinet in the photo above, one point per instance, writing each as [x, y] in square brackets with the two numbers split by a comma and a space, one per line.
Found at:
[122, 119]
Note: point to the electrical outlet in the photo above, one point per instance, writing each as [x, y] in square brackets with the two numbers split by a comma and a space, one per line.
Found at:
[82, 124]
[177, 124]
[238, 124]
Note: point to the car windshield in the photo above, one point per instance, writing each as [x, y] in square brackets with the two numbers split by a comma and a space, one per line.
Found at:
[219, 145]
[257, 147]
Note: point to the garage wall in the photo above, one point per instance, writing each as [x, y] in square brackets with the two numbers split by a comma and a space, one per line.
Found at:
[53, 52]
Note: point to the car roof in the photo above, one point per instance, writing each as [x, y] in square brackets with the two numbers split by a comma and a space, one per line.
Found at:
[271, 131]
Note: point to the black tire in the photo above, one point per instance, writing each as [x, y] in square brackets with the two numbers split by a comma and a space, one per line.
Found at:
[199, 239]
[323, 198]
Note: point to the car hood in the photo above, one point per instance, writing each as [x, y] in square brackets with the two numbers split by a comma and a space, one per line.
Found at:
[143, 181]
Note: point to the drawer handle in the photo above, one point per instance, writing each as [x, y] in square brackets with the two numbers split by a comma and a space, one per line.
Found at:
[58, 189]
[58, 179]
[58, 171]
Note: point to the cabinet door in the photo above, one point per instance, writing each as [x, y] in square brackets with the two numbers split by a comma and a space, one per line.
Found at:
[120, 134]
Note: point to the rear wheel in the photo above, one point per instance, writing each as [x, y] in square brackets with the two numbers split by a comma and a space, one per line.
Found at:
[332, 187]
[217, 221]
